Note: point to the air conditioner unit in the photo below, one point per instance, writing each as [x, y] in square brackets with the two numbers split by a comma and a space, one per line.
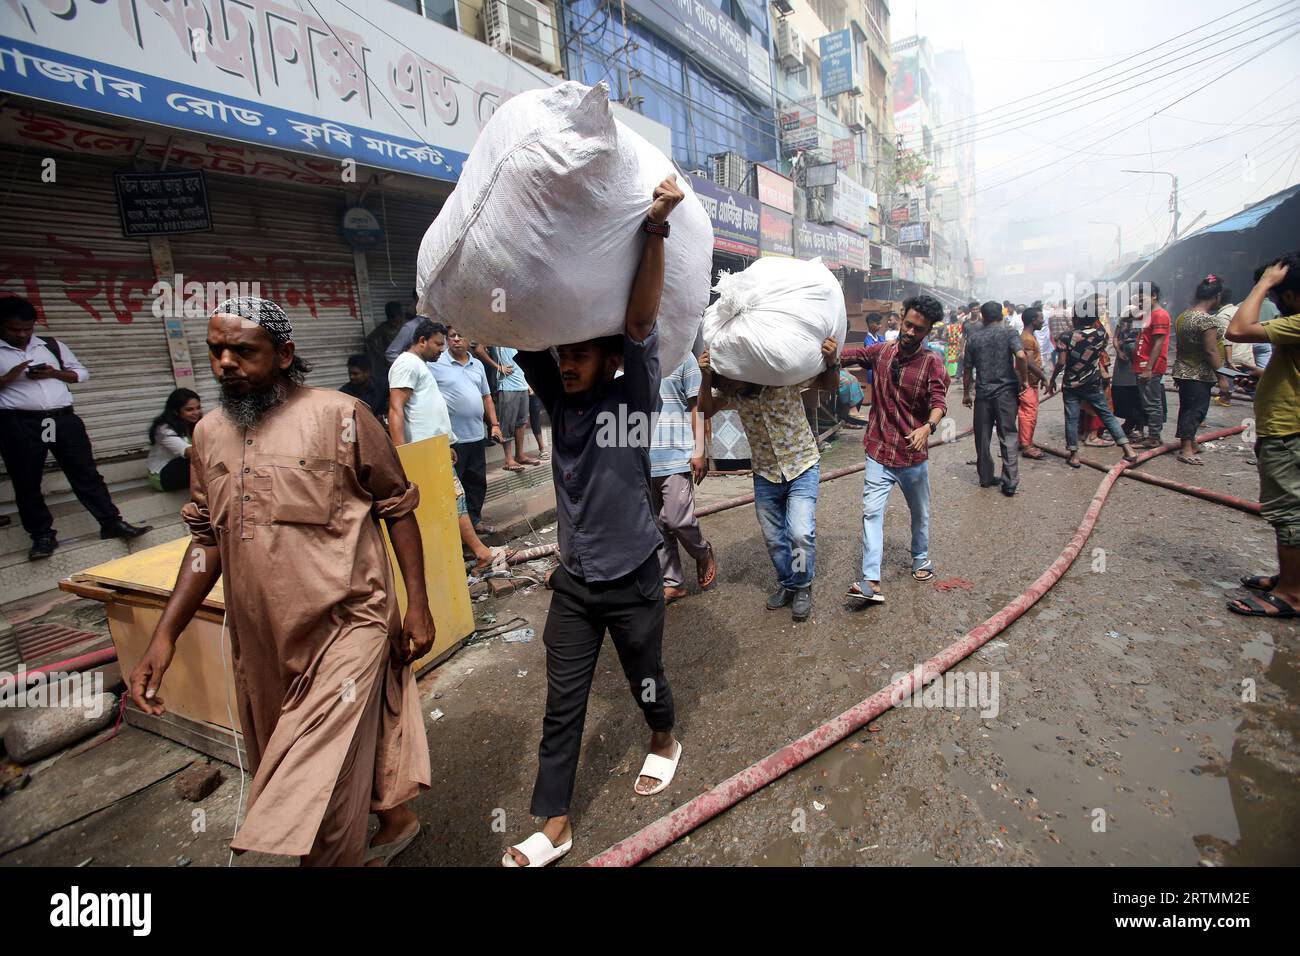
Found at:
[521, 28]
[789, 46]
[856, 119]
[729, 170]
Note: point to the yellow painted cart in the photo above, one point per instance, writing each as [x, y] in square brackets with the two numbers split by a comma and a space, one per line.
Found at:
[198, 688]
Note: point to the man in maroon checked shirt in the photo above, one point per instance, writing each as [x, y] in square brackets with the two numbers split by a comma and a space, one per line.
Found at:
[909, 402]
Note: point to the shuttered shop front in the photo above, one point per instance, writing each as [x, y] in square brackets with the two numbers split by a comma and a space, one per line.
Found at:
[282, 243]
[391, 263]
[61, 246]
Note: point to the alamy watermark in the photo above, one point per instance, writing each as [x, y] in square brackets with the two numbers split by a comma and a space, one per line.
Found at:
[951, 690]
[75, 690]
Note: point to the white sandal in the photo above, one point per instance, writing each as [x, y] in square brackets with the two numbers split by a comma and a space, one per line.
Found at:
[539, 850]
[658, 768]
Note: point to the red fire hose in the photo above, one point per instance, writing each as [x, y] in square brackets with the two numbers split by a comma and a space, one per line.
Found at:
[78, 663]
[1218, 497]
[672, 827]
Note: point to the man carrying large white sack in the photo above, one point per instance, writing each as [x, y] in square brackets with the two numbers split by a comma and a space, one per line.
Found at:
[774, 332]
[609, 577]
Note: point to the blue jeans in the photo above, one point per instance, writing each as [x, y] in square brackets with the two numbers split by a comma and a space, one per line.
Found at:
[787, 516]
[879, 480]
[1094, 396]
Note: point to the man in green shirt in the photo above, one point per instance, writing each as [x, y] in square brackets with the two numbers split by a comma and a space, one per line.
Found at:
[1277, 424]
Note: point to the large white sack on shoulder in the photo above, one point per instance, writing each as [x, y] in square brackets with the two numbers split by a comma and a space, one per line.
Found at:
[769, 322]
[540, 240]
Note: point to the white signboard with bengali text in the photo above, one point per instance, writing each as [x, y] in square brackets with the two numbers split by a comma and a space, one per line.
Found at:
[393, 90]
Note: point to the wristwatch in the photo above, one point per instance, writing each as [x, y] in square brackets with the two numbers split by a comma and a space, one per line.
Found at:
[653, 228]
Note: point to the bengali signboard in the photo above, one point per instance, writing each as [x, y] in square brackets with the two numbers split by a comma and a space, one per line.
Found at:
[898, 215]
[798, 128]
[849, 204]
[777, 232]
[853, 249]
[812, 240]
[734, 216]
[163, 204]
[774, 189]
[845, 151]
[315, 79]
[701, 28]
[837, 72]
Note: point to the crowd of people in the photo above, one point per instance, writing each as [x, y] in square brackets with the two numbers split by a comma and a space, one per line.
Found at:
[289, 471]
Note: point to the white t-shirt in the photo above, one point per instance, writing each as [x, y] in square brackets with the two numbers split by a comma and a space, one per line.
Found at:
[891, 334]
[1016, 322]
[426, 411]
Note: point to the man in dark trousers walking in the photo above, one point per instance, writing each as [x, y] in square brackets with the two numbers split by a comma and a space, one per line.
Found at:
[995, 360]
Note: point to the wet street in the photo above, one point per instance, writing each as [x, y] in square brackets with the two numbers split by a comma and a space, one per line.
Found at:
[1135, 720]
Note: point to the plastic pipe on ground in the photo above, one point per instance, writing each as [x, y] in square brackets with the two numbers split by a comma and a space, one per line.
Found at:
[79, 663]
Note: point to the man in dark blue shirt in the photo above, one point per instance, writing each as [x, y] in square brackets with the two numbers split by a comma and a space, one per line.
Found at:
[609, 577]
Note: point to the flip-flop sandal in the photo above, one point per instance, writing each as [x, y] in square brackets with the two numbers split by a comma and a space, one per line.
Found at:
[1260, 582]
[1189, 461]
[539, 850]
[923, 574]
[1074, 464]
[855, 593]
[706, 580]
[658, 768]
[512, 467]
[1256, 609]
[1131, 459]
[1034, 457]
[1099, 443]
[386, 851]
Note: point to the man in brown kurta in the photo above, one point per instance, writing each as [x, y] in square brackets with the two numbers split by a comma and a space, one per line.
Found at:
[287, 500]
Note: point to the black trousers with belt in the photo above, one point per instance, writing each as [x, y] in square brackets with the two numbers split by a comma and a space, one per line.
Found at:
[631, 608]
[471, 469]
[25, 439]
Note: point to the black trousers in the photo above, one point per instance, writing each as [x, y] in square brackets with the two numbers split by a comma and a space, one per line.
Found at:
[175, 474]
[471, 469]
[1001, 410]
[1193, 405]
[25, 439]
[631, 608]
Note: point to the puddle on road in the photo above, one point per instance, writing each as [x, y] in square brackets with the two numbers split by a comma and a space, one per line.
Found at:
[839, 780]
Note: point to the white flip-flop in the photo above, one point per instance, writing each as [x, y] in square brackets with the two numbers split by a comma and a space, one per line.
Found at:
[539, 850]
[386, 851]
[658, 768]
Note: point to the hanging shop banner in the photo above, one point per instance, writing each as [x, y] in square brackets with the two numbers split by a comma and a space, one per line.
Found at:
[317, 79]
[734, 217]
[163, 204]
[777, 230]
[799, 127]
[837, 73]
[898, 215]
[775, 190]
[852, 249]
[849, 204]
[811, 240]
[914, 232]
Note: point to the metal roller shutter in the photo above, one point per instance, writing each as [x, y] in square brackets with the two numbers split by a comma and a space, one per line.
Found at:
[391, 264]
[287, 240]
[61, 246]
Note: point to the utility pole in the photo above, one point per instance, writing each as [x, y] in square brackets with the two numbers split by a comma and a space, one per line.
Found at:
[1173, 196]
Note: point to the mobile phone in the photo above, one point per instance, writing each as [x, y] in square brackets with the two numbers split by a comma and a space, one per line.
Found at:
[38, 367]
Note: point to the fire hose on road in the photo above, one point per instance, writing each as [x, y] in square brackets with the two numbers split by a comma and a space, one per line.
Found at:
[673, 826]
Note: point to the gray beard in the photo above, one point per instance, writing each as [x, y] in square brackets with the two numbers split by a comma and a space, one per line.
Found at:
[247, 410]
